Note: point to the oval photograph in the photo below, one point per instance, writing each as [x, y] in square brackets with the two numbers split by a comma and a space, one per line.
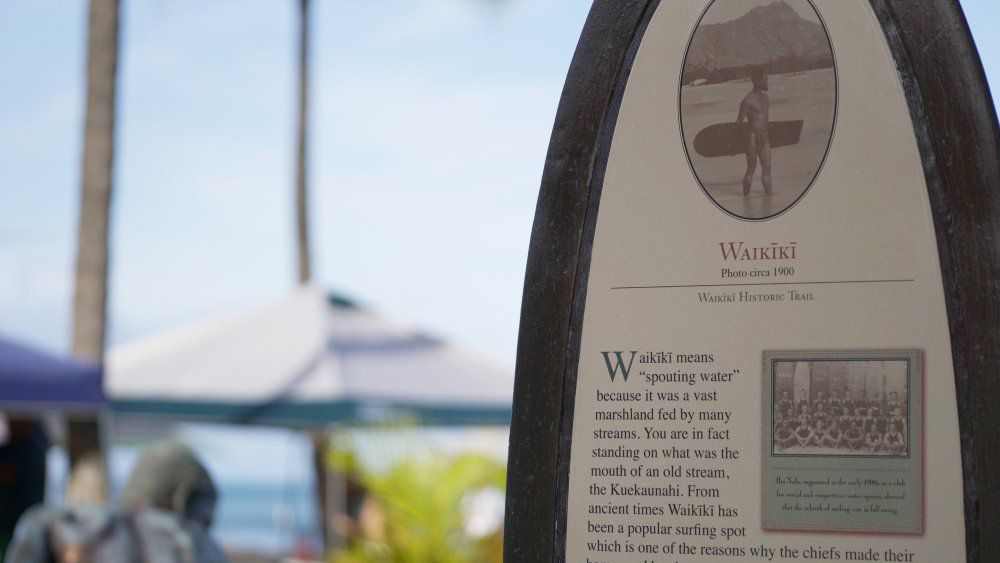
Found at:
[758, 102]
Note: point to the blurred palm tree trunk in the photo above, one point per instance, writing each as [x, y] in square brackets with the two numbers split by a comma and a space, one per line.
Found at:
[85, 444]
[302, 152]
[319, 439]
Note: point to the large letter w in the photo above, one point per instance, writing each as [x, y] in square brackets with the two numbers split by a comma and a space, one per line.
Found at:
[619, 365]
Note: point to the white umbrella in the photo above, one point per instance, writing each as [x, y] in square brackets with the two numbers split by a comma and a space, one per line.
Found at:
[306, 361]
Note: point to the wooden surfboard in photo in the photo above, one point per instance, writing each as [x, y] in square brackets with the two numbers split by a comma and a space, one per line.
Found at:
[729, 139]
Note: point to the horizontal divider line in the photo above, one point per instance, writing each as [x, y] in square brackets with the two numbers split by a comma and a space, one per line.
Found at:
[857, 469]
[830, 282]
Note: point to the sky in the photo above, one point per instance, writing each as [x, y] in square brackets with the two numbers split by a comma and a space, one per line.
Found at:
[430, 125]
[431, 120]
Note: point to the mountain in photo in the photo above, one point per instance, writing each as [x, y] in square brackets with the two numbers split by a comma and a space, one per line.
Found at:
[774, 36]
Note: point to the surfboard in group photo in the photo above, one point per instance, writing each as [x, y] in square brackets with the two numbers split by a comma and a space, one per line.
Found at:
[758, 103]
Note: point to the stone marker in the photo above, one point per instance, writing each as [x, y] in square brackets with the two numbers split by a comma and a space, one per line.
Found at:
[760, 317]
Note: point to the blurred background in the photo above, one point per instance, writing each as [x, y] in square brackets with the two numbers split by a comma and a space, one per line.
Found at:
[418, 148]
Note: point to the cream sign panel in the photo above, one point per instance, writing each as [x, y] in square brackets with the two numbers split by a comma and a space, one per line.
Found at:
[765, 369]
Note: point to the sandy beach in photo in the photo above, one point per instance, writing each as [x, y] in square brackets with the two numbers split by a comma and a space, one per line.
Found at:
[795, 96]
[757, 103]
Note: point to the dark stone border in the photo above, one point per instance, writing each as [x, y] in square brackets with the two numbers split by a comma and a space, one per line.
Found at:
[534, 528]
[957, 134]
[956, 126]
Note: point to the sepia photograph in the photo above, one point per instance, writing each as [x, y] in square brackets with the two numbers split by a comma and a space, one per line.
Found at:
[758, 103]
[840, 408]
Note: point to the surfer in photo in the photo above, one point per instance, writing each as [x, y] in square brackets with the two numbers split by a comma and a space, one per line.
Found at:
[755, 109]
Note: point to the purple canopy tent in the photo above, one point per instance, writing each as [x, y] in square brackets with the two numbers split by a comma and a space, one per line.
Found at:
[33, 385]
[31, 381]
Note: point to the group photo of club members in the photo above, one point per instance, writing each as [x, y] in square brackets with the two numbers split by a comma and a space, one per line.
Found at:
[840, 408]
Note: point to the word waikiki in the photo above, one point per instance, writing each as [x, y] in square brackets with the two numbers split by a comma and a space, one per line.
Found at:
[739, 251]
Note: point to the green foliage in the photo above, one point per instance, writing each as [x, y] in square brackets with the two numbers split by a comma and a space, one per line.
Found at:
[416, 510]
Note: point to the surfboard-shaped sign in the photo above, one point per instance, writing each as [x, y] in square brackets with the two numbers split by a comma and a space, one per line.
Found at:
[760, 313]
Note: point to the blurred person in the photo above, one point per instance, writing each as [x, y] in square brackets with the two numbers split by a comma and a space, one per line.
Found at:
[170, 477]
[166, 510]
[83, 533]
[23, 446]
